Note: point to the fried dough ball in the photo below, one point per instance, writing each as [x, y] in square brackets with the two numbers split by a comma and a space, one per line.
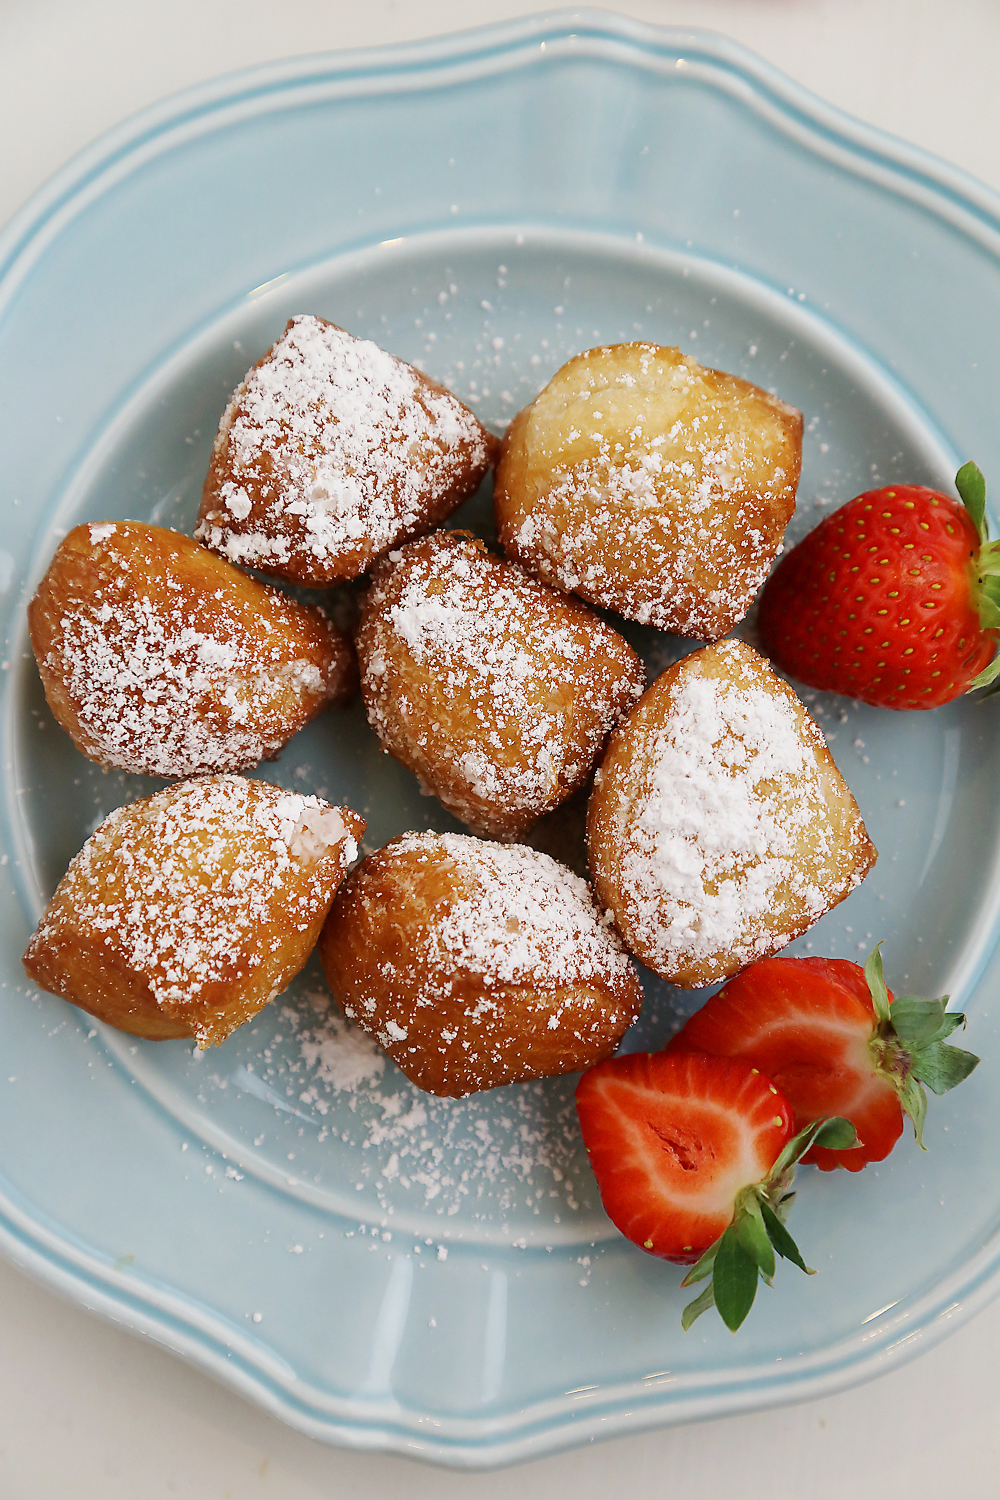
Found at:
[160, 658]
[496, 691]
[719, 827]
[477, 964]
[651, 486]
[184, 914]
[330, 452]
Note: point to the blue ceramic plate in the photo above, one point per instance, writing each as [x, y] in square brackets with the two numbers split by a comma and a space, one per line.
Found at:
[378, 1267]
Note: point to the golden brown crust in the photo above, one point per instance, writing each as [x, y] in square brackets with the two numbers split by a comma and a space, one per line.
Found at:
[475, 964]
[160, 658]
[719, 827]
[497, 692]
[651, 486]
[185, 913]
[330, 452]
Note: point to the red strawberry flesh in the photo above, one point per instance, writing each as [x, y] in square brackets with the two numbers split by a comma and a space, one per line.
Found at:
[673, 1139]
[809, 1024]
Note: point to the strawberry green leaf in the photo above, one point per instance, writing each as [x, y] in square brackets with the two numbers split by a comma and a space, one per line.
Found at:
[836, 1134]
[920, 1030]
[953, 1019]
[753, 1236]
[703, 1267]
[986, 592]
[876, 983]
[793, 1151]
[918, 1023]
[782, 1206]
[987, 676]
[698, 1306]
[734, 1280]
[745, 1251]
[782, 1240]
[971, 486]
[989, 608]
[988, 567]
[914, 1102]
[942, 1067]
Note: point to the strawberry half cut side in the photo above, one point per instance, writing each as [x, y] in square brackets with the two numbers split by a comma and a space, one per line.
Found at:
[821, 1029]
[694, 1157]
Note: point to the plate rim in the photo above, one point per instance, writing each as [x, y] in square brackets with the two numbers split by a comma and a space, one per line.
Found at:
[484, 45]
[958, 197]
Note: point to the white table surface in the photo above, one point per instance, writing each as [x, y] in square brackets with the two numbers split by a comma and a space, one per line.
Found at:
[89, 1410]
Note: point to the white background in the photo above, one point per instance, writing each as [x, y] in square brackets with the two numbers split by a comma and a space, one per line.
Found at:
[87, 1410]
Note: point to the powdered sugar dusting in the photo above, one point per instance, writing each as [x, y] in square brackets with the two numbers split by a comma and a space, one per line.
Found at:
[526, 919]
[730, 831]
[601, 518]
[515, 688]
[510, 1159]
[180, 886]
[650, 486]
[166, 672]
[713, 838]
[330, 451]
[341, 1056]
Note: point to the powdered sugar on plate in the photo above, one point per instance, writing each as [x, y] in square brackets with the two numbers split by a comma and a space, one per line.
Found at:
[507, 1162]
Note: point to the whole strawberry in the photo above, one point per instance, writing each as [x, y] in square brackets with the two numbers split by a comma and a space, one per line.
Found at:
[892, 599]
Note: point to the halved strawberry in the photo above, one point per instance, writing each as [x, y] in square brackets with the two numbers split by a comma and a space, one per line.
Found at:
[894, 599]
[821, 1029]
[694, 1157]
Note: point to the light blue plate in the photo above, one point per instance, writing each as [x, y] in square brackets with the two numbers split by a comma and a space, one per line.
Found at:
[377, 1267]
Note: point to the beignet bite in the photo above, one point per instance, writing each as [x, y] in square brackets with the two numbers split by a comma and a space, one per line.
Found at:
[476, 964]
[719, 827]
[160, 658]
[497, 692]
[651, 486]
[185, 913]
[330, 452]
